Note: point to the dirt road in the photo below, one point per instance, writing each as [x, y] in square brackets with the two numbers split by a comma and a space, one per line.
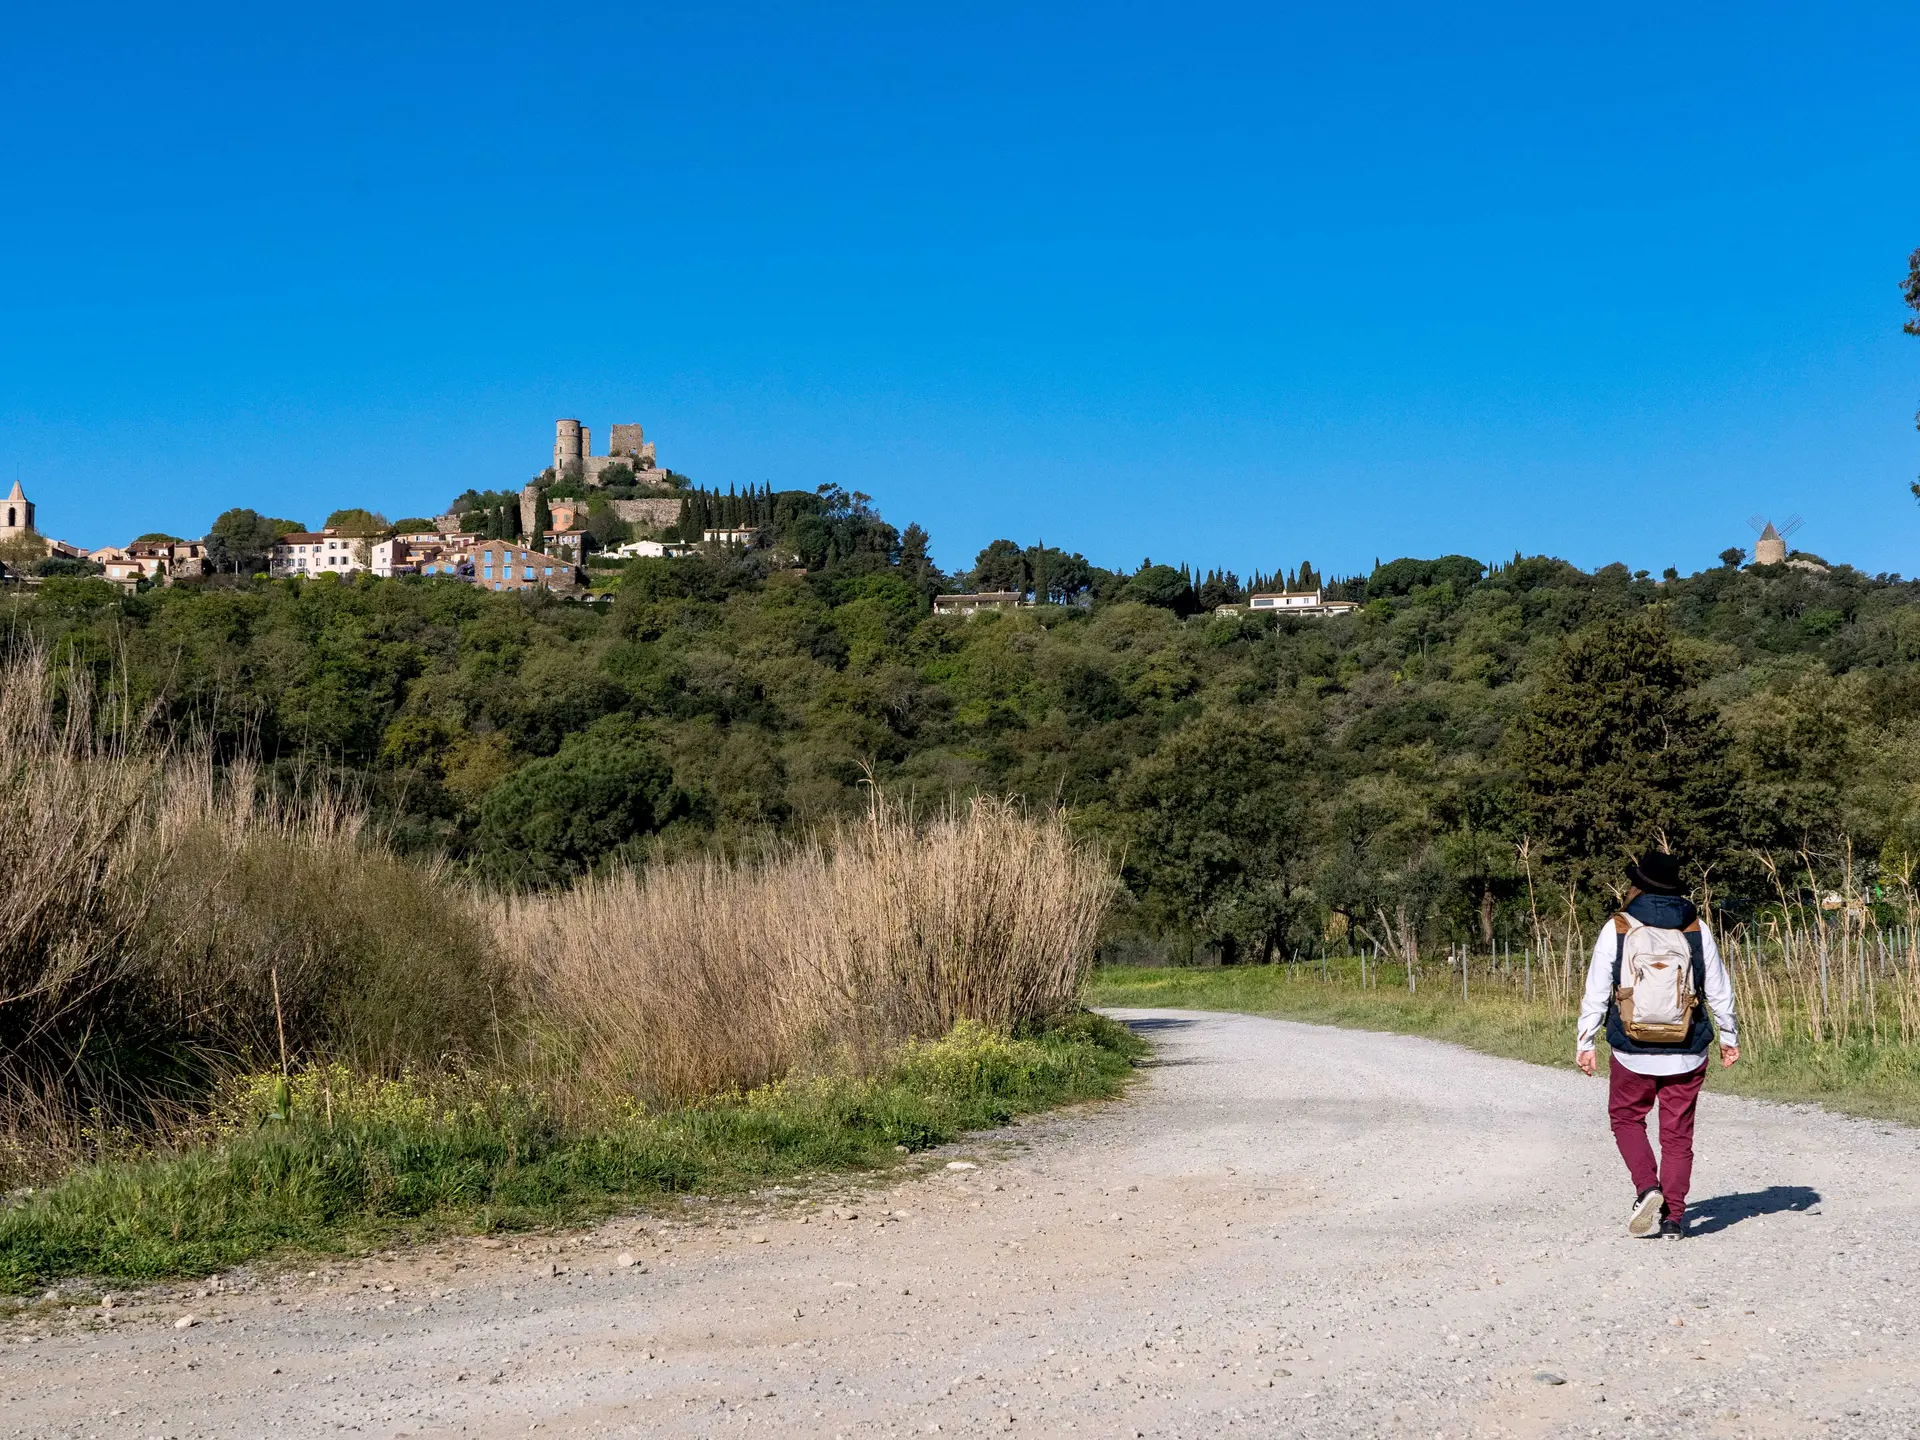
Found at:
[1285, 1230]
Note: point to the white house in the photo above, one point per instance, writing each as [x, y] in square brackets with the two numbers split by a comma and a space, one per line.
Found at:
[651, 550]
[318, 552]
[1295, 602]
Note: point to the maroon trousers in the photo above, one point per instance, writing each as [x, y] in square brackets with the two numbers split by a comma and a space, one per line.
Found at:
[1629, 1097]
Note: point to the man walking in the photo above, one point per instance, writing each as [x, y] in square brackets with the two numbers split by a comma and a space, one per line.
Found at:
[1652, 964]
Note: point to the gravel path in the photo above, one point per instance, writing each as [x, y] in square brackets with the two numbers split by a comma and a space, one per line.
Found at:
[1285, 1230]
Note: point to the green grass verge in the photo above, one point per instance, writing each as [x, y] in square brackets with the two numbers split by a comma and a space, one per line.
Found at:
[1882, 1082]
[408, 1167]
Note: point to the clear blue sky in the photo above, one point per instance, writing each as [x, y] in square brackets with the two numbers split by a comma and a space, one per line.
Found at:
[1225, 285]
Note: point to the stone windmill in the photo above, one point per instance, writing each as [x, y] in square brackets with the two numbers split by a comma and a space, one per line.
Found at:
[1771, 547]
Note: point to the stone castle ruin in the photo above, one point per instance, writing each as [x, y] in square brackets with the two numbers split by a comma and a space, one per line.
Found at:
[643, 493]
[626, 445]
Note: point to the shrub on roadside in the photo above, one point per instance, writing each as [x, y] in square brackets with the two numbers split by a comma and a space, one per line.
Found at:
[151, 906]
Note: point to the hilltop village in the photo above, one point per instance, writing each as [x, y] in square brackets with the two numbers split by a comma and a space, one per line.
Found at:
[572, 528]
[583, 508]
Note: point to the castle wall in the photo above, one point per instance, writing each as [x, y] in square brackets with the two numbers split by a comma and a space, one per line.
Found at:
[655, 514]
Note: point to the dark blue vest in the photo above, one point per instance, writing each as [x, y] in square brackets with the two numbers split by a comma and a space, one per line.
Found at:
[1667, 912]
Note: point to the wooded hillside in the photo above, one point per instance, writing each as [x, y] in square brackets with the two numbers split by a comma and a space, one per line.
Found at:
[1269, 782]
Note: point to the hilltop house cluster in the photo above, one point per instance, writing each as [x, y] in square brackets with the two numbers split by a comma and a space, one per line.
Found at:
[554, 560]
[453, 555]
[641, 494]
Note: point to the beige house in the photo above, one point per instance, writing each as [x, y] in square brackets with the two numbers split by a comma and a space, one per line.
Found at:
[978, 603]
[159, 561]
[167, 560]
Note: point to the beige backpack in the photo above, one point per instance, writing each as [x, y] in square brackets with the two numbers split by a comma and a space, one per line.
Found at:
[1653, 982]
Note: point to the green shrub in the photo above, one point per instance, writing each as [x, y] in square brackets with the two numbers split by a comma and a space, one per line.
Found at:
[553, 819]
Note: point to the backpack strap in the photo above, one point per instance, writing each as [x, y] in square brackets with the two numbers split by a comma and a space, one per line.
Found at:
[1622, 927]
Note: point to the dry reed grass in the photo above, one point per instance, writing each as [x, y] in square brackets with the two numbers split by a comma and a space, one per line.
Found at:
[150, 905]
[163, 926]
[709, 975]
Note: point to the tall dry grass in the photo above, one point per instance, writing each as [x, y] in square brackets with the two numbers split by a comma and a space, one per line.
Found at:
[164, 925]
[707, 975]
[150, 908]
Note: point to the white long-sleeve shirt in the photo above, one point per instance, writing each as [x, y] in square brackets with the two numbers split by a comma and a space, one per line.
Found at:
[1593, 1005]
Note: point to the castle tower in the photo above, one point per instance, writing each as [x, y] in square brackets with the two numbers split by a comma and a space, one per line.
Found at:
[569, 447]
[1770, 548]
[625, 442]
[17, 513]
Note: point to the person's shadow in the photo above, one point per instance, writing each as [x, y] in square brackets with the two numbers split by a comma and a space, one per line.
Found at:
[1719, 1212]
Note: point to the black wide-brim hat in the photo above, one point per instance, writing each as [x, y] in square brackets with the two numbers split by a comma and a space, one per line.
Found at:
[1657, 873]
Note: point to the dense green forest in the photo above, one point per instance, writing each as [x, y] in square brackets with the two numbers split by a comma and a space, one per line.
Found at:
[1441, 765]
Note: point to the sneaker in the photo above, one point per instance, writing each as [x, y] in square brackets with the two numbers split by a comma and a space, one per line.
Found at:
[1645, 1219]
[1673, 1229]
